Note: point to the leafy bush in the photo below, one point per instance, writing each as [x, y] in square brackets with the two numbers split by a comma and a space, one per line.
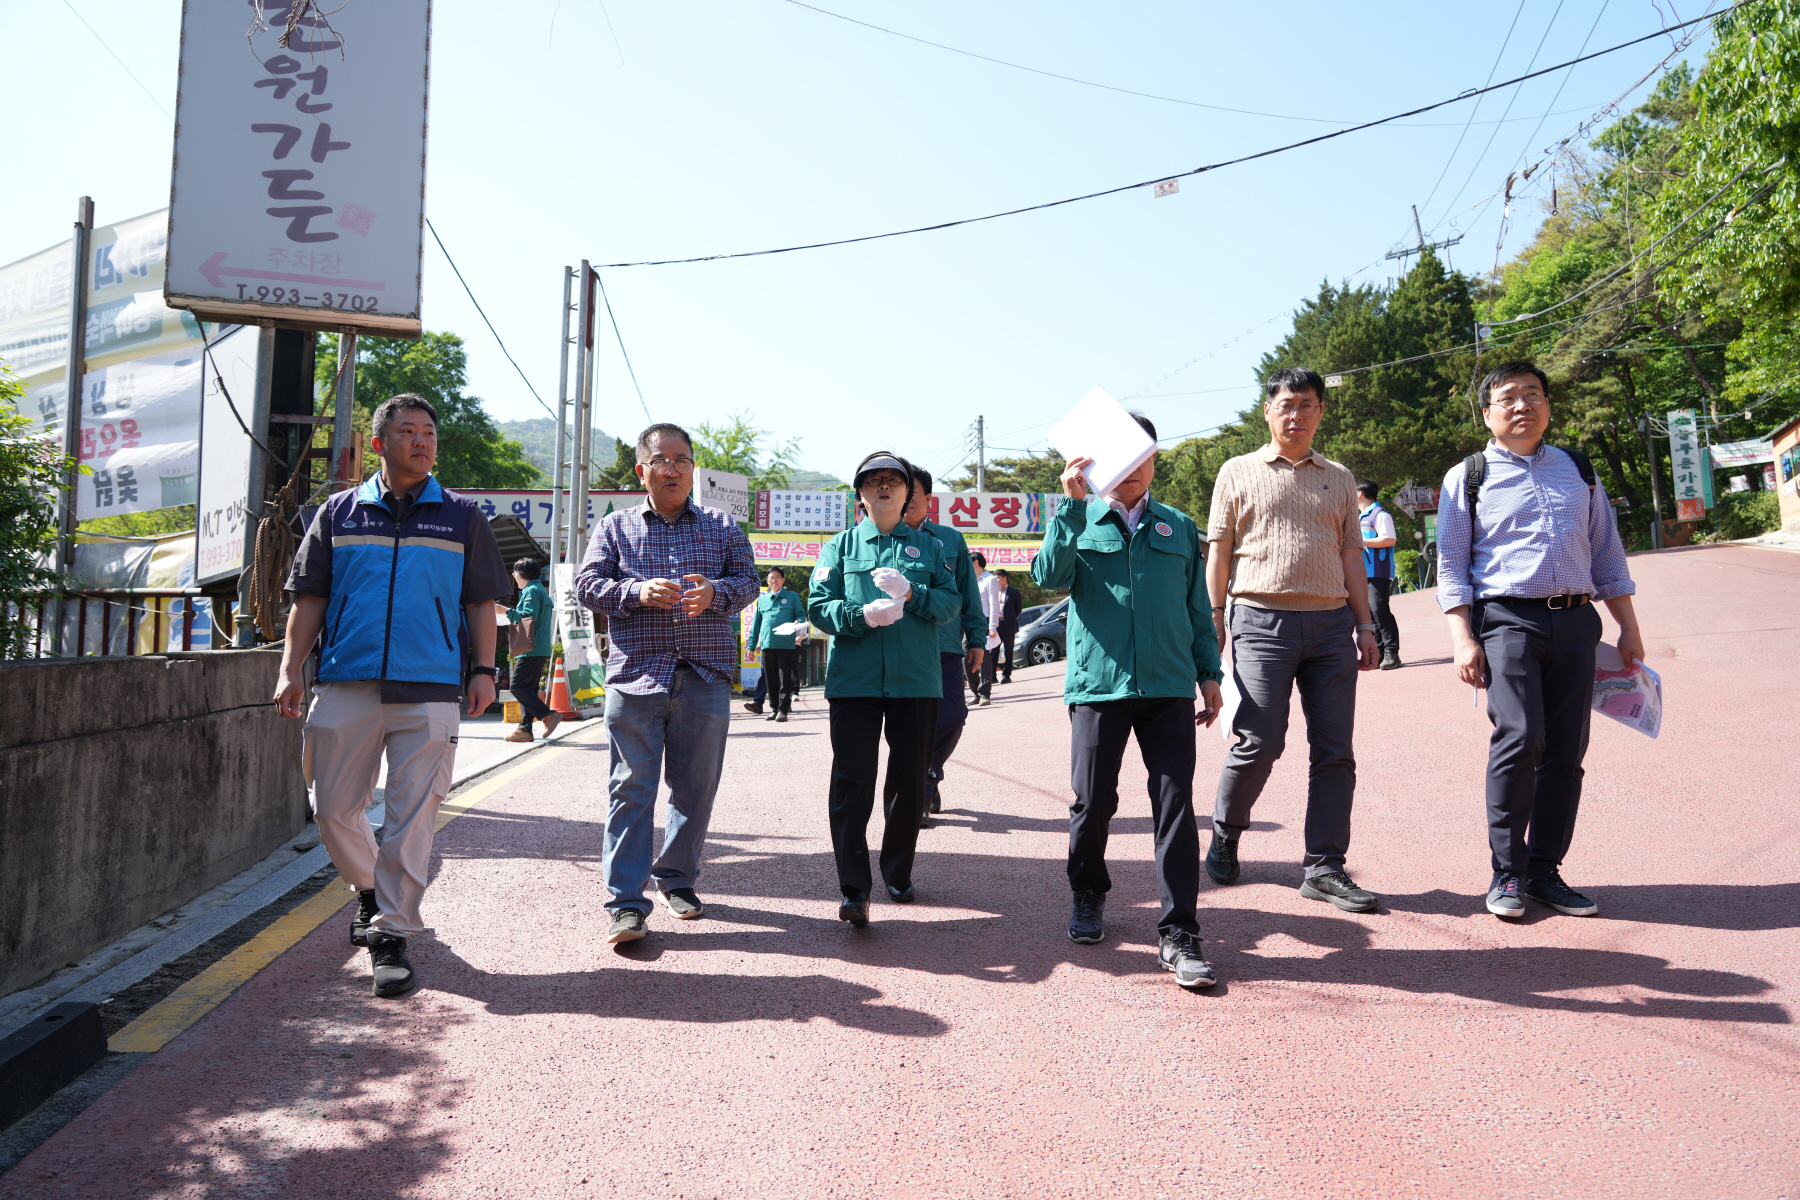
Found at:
[1745, 515]
[1406, 569]
[31, 473]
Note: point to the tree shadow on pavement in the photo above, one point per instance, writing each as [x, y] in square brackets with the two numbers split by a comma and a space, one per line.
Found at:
[1520, 976]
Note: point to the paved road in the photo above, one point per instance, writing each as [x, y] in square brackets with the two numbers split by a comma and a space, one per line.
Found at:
[965, 1048]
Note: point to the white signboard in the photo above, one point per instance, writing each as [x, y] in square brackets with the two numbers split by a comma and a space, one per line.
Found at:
[299, 182]
[140, 433]
[223, 517]
[801, 510]
[1684, 455]
[722, 489]
[1743, 454]
[532, 507]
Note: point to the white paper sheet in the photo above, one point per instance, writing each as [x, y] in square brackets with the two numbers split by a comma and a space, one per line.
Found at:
[1099, 428]
[1629, 694]
[789, 628]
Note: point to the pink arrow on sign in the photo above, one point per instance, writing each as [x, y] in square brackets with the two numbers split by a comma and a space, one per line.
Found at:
[215, 275]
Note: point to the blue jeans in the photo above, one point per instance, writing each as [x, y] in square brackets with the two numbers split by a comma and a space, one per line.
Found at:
[684, 726]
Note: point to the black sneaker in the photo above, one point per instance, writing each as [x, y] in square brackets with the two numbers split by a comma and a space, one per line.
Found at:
[854, 909]
[627, 926]
[1547, 887]
[366, 911]
[393, 973]
[781, 717]
[683, 904]
[1341, 890]
[1180, 953]
[1222, 859]
[1390, 661]
[1085, 920]
[1503, 896]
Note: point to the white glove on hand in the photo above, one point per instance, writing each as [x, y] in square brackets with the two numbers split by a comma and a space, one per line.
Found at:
[877, 613]
[890, 581]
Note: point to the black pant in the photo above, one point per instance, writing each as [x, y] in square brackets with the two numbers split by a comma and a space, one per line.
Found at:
[856, 730]
[952, 715]
[1165, 737]
[1387, 630]
[782, 669]
[981, 680]
[527, 673]
[1005, 651]
[1540, 699]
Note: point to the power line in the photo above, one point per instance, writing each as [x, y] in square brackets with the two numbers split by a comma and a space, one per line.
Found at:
[120, 61]
[484, 317]
[1128, 187]
[1504, 43]
[620, 338]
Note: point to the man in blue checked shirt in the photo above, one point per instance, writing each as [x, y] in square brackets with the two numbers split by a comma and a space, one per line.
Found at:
[1517, 577]
[667, 577]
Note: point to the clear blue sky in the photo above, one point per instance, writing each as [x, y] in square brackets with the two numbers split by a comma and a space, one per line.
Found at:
[666, 128]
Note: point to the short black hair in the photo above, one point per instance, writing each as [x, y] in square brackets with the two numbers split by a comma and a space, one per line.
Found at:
[1145, 424]
[643, 442]
[528, 568]
[393, 406]
[923, 477]
[1297, 379]
[978, 556]
[1369, 488]
[776, 571]
[1001, 571]
[1508, 370]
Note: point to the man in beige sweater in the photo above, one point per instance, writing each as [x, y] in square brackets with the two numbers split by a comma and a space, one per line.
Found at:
[1287, 549]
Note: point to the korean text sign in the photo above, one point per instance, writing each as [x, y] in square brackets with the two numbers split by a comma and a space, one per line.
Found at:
[1685, 457]
[299, 180]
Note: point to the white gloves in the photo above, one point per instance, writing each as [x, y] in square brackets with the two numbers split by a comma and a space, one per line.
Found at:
[877, 613]
[890, 581]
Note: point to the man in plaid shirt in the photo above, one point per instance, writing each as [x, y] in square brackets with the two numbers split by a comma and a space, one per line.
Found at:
[667, 578]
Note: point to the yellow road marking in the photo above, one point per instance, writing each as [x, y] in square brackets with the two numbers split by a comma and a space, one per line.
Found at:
[180, 1009]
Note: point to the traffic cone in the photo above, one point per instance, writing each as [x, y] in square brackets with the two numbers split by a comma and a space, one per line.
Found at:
[560, 700]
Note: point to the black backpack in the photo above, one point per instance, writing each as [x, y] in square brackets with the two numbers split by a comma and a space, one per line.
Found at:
[1475, 474]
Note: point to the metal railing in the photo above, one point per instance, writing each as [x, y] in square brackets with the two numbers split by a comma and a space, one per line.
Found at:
[114, 621]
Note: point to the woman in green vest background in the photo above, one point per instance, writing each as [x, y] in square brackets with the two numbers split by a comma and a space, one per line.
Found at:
[780, 652]
[533, 611]
[881, 589]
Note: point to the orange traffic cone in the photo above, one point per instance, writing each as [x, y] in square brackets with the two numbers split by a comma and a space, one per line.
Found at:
[560, 701]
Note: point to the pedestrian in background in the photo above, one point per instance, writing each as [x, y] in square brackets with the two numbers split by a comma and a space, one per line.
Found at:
[529, 632]
[961, 642]
[780, 651]
[1140, 639]
[1011, 605]
[408, 573]
[1527, 542]
[1378, 535]
[1287, 549]
[993, 599]
[881, 589]
[666, 576]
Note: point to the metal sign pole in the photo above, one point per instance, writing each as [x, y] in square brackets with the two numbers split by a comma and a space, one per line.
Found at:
[584, 420]
[559, 464]
[77, 368]
[343, 453]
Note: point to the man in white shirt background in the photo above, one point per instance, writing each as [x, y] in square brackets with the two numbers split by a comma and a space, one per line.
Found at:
[1378, 563]
[993, 603]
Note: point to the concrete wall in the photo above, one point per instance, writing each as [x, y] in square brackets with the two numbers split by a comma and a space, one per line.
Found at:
[128, 786]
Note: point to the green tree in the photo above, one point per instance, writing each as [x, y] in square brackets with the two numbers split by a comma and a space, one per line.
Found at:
[32, 470]
[621, 475]
[472, 453]
[1033, 473]
[736, 445]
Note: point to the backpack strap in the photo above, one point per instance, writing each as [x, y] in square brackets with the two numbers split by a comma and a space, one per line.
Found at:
[1583, 464]
[1474, 475]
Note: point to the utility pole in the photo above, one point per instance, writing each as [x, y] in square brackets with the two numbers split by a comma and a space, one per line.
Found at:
[584, 418]
[1656, 529]
[559, 510]
[74, 373]
[981, 454]
[1422, 247]
[343, 449]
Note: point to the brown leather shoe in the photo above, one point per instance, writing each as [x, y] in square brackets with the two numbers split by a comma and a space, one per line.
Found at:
[519, 735]
[551, 722]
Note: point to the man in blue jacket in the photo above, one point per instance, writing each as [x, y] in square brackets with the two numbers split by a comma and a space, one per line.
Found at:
[395, 583]
[1140, 639]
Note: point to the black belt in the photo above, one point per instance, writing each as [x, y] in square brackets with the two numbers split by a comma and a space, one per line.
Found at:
[1554, 603]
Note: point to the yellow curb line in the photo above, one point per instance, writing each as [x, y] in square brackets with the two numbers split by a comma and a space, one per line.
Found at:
[180, 1009]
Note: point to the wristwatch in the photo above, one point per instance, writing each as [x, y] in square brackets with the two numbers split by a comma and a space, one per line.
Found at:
[484, 671]
[1370, 628]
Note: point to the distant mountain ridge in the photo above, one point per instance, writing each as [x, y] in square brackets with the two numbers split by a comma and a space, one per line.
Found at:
[538, 436]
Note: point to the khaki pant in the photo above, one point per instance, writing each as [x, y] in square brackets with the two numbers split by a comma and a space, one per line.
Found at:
[347, 728]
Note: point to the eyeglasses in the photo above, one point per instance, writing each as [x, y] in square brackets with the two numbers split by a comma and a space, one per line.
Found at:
[884, 481]
[1295, 410]
[671, 466]
[1515, 403]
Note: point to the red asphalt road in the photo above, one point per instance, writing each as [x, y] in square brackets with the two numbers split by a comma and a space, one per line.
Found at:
[964, 1047]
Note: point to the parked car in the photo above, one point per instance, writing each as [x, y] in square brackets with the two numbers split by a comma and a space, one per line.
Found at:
[1033, 613]
[1044, 639]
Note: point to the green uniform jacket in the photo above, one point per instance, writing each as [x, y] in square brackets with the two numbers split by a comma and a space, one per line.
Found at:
[772, 609]
[1140, 621]
[534, 602]
[898, 660]
[973, 625]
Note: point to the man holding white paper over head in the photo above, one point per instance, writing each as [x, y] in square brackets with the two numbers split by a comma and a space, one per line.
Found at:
[1287, 549]
[1140, 638]
[1526, 544]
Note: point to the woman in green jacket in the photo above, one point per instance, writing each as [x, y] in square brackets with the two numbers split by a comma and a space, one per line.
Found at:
[528, 665]
[780, 653]
[881, 590]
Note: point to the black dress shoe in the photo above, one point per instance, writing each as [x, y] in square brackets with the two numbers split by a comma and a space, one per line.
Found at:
[854, 909]
[904, 895]
[753, 707]
[1222, 859]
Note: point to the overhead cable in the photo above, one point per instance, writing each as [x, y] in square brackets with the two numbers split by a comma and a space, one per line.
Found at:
[1128, 187]
[484, 317]
[623, 353]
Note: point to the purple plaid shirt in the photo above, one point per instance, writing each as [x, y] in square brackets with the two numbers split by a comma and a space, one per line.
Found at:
[646, 644]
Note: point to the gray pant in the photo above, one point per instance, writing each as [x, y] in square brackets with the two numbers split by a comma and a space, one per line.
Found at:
[1271, 651]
